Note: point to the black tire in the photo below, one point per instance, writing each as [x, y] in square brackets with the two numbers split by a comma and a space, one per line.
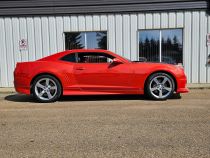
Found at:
[153, 91]
[52, 82]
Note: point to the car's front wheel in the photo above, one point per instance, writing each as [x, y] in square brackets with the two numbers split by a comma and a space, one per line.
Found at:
[160, 86]
[46, 89]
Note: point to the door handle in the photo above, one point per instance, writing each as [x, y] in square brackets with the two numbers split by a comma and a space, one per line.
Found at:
[80, 68]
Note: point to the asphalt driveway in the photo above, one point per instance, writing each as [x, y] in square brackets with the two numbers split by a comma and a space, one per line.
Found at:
[106, 126]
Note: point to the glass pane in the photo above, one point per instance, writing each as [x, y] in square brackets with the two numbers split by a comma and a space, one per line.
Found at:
[149, 45]
[94, 58]
[96, 40]
[69, 58]
[172, 47]
[74, 40]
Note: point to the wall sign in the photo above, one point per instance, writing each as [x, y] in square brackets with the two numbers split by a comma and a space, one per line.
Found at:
[208, 39]
[23, 44]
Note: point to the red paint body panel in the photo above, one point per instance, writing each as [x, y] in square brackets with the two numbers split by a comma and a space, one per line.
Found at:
[94, 78]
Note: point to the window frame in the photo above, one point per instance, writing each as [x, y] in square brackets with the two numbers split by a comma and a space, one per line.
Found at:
[160, 39]
[64, 37]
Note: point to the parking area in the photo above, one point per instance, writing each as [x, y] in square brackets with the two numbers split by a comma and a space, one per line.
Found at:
[106, 126]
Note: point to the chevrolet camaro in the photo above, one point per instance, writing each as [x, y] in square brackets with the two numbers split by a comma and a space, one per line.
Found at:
[96, 72]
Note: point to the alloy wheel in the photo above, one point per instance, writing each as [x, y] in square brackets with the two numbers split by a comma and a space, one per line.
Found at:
[45, 89]
[161, 87]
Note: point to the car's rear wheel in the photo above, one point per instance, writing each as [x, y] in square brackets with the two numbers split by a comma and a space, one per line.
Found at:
[160, 86]
[46, 89]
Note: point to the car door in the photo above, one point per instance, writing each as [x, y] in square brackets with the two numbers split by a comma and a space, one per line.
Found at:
[95, 72]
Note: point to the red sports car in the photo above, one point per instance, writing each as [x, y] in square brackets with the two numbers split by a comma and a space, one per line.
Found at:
[96, 72]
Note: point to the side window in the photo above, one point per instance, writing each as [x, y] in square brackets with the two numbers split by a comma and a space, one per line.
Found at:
[94, 58]
[70, 58]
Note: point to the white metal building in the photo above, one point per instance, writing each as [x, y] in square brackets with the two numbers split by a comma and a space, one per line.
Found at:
[28, 33]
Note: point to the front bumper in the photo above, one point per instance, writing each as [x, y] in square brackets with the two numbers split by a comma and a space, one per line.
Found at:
[182, 86]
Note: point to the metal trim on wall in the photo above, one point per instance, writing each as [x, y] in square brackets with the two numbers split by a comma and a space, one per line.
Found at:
[56, 7]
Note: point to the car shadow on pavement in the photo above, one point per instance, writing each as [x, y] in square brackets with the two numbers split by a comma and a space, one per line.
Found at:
[29, 98]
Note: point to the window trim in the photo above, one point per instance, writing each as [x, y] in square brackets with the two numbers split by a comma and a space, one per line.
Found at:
[160, 31]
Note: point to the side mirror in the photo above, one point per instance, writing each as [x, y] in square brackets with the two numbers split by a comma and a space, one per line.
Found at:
[116, 61]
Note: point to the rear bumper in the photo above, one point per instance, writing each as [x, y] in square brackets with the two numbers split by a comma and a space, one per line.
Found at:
[22, 90]
[21, 85]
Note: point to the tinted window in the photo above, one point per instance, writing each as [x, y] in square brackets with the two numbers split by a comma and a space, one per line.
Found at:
[88, 40]
[94, 58]
[69, 58]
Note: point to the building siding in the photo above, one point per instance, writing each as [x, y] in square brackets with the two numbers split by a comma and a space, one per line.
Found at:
[45, 35]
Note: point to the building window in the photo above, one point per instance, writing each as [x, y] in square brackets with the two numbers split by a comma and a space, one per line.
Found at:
[161, 46]
[86, 40]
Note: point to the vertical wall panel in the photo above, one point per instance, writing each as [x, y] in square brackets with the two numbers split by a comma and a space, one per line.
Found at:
[111, 33]
[3, 58]
[126, 36]
[141, 21]
[156, 21]
[89, 23]
[23, 35]
[59, 34]
[134, 34]
[81, 23]
[96, 23]
[45, 36]
[31, 39]
[16, 38]
[187, 50]
[164, 20]
[203, 47]
[149, 21]
[104, 22]
[180, 19]
[172, 20]
[38, 37]
[195, 47]
[74, 23]
[52, 29]
[119, 32]
[66, 24]
[9, 48]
